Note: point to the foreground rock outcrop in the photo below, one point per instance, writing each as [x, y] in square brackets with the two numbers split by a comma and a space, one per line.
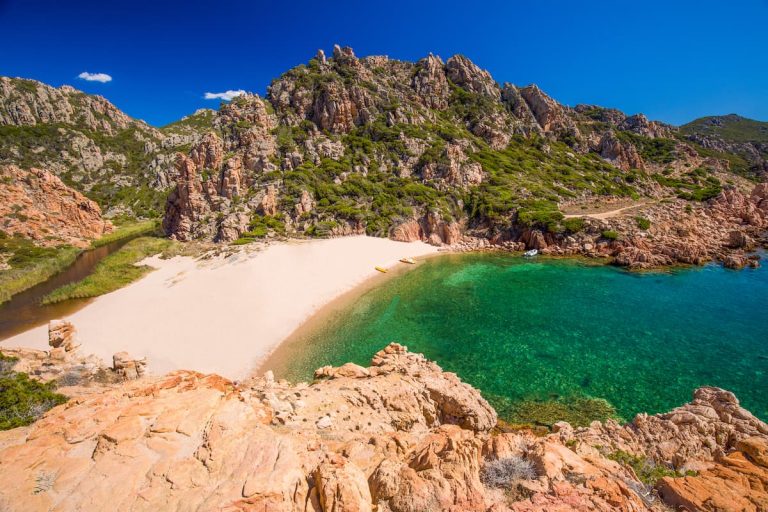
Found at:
[398, 436]
[36, 204]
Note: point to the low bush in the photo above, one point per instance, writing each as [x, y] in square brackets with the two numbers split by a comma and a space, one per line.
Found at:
[643, 223]
[22, 400]
[504, 473]
[647, 470]
[610, 234]
[574, 224]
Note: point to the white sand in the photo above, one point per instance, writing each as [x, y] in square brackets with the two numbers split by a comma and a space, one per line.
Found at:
[225, 314]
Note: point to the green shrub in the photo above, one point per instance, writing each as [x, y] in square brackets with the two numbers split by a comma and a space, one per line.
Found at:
[609, 234]
[643, 223]
[543, 214]
[646, 470]
[22, 400]
[574, 224]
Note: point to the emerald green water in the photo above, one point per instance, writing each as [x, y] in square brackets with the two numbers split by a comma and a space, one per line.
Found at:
[533, 330]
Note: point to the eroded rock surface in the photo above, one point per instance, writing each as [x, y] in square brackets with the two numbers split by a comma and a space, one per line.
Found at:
[398, 436]
[36, 204]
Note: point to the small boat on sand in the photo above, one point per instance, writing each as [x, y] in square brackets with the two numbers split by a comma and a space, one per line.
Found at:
[531, 253]
[381, 269]
[409, 261]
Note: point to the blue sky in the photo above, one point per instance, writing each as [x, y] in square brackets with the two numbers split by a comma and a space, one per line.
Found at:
[673, 60]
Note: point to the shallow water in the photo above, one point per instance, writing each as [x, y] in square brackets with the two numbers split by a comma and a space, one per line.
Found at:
[535, 329]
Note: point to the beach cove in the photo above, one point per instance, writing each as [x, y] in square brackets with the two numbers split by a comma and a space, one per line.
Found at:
[225, 314]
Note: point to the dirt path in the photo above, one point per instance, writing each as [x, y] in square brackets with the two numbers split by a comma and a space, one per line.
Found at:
[605, 215]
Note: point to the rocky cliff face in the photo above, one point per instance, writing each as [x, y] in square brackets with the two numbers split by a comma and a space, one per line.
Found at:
[347, 145]
[36, 204]
[399, 436]
[119, 161]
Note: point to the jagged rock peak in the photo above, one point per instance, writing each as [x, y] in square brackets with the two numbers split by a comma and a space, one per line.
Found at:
[343, 55]
[550, 115]
[430, 82]
[465, 73]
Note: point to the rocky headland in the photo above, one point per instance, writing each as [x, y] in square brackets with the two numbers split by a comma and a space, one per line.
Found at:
[400, 435]
[728, 229]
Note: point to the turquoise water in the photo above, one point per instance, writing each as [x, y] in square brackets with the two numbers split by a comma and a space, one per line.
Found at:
[534, 330]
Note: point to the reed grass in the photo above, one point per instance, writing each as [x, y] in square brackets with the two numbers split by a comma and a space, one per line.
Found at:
[128, 230]
[29, 264]
[117, 270]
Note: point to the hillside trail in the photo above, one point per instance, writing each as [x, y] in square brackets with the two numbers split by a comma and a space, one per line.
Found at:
[606, 215]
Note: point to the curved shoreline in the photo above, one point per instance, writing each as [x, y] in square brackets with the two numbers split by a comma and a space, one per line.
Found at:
[282, 350]
[226, 314]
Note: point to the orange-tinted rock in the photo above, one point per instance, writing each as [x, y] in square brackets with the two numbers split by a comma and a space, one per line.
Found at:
[36, 204]
[738, 482]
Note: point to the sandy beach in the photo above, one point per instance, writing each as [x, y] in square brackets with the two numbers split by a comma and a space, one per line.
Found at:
[225, 315]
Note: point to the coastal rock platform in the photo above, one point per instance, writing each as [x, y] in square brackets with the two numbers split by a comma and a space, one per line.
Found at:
[399, 436]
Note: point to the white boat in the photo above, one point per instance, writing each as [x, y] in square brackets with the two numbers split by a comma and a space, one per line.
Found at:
[531, 253]
[410, 261]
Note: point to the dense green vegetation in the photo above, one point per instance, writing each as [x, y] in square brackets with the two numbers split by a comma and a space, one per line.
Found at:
[646, 470]
[529, 177]
[201, 121]
[29, 264]
[23, 400]
[658, 150]
[742, 136]
[695, 185]
[128, 228]
[524, 182]
[731, 128]
[113, 272]
[377, 198]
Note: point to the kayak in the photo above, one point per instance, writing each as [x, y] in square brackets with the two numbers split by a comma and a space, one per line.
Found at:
[410, 261]
[381, 269]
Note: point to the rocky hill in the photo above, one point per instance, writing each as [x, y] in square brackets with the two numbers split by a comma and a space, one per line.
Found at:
[116, 160]
[398, 436]
[433, 150]
[744, 142]
[36, 205]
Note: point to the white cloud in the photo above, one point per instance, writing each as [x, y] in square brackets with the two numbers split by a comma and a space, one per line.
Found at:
[95, 77]
[226, 96]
